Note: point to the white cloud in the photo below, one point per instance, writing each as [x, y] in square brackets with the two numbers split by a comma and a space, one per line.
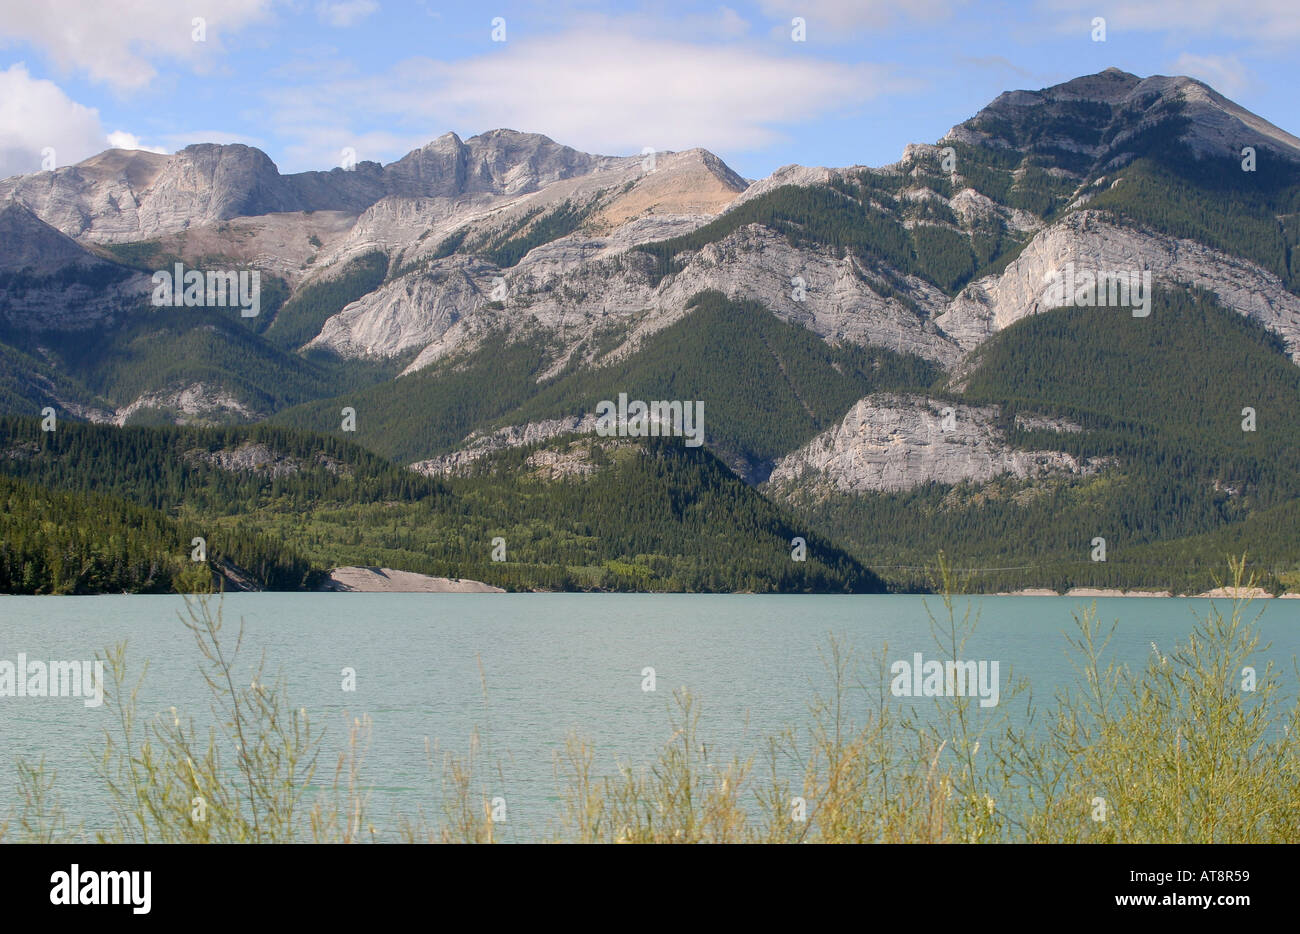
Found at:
[1224, 73]
[36, 116]
[120, 139]
[117, 43]
[598, 90]
[731, 24]
[834, 20]
[345, 13]
[1263, 20]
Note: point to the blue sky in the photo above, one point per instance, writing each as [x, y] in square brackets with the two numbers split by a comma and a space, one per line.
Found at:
[305, 79]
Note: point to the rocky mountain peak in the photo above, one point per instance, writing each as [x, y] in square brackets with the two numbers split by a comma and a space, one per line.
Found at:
[236, 179]
[119, 195]
[1217, 125]
[447, 141]
[1097, 115]
[1112, 86]
[132, 167]
[514, 162]
[497, 162]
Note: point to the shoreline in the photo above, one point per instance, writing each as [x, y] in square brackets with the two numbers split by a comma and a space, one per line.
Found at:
[355, 579]
[1218, 593]
[370, 579]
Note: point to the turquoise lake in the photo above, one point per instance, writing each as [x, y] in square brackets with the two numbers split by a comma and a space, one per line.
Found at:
[528, 669]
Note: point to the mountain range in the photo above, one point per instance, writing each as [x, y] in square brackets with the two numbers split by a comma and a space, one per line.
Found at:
[883, 369]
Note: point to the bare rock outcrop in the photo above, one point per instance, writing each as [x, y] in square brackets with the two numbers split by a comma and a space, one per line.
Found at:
[479, 445]
[1091, 241]
[192, 404]
[890, 442]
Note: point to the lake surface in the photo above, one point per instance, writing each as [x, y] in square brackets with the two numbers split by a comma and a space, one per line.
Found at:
[528, 669]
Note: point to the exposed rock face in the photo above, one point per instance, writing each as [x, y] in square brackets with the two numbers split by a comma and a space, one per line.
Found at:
[1090, 241]
[48, 281]
[841, 300]
[207, 183]
[1213, 124]
[800, 175]
[1026, 422]
[592, 293]
[397, 224]
[34, 247]
[126, 196]
[571, 284]
[477, 445]
[689, 183]
[193, 404]
[258, 458]
[969, 205]
[574, 461]
[250, 456]
[895, 442]
[410, 312]
[122, 196]
[287, 245]
[69, 198]
[576, 285]
[500, 162]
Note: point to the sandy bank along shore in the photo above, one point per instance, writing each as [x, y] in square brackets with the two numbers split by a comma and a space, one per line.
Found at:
[387, 580]
[1254, 593]
[1229, 593]
[1083, 592]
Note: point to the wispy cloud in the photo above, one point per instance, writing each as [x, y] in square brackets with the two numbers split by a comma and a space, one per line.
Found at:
[344, 13]
[1224, 73]
[999, 63]
[118, 43]
[38, 118]
[835, 20]
[597, 90]
[120, 139]
[1261, 20]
